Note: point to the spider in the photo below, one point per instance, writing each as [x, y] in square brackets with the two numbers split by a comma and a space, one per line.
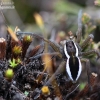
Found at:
[71, 51]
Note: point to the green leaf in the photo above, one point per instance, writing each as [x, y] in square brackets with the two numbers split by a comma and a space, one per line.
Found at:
[13, 63]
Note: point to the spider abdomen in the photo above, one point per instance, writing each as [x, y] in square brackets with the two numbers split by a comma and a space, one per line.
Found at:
[73, 68]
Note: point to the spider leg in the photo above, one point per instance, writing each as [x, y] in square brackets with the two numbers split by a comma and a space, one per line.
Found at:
[43, 54]
[91, 52]
[52, 44]
[88, 70]
[86, 41]
[79, 31]
[59, 70]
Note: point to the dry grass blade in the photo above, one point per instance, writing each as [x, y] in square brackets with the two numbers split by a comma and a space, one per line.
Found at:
[39, 20]
[47, 63]
[47, 66]
[13, 35]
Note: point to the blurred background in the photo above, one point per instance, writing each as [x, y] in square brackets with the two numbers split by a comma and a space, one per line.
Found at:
[59, 14]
